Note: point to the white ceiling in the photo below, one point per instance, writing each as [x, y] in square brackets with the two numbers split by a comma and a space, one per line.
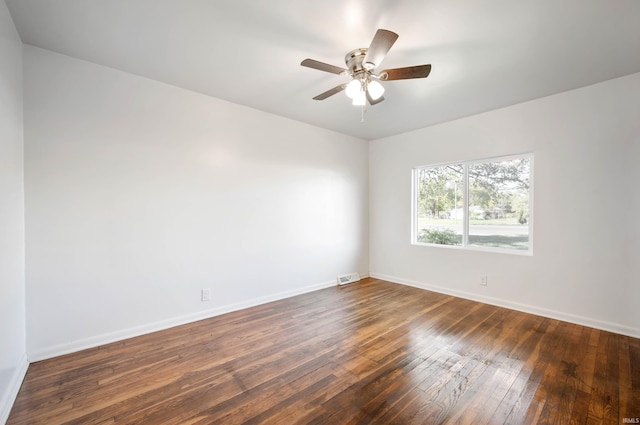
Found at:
[485, 54]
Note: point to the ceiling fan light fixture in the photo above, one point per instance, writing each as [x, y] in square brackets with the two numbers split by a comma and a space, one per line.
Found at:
[375, 89]
[353, 88]
[360, 99]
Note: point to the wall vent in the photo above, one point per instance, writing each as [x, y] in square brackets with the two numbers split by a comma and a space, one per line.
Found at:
[348, 278]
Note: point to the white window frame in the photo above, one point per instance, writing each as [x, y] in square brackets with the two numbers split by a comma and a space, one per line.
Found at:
[465, 226]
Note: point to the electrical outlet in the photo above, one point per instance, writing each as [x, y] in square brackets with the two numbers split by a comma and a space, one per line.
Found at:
[483, 280]
[205, 294]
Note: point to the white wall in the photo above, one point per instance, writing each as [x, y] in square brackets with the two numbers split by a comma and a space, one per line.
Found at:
[633, 232]
[139, 194]
[584, 268]
[13, 361]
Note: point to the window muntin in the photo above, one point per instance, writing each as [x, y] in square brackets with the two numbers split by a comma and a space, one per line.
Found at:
[484, 204]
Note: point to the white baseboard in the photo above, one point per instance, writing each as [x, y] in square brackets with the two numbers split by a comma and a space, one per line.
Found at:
[9, 397]
[107, 338]
[526, 308]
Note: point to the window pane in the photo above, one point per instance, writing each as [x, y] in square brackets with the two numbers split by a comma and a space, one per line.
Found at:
[440, 203]
[499, 204]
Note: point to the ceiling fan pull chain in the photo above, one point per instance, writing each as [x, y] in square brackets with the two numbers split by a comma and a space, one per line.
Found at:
[362, 114]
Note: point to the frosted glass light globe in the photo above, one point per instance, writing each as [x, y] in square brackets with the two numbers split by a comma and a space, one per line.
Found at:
[375, 90]
[360, 99]
[353, 88]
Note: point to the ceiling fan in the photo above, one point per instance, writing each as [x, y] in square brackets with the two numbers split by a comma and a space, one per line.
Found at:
[361, 66]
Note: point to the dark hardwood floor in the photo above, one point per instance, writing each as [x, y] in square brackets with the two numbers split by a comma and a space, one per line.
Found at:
[367, 353]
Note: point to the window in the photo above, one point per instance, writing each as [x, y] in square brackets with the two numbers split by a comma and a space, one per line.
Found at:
[483, 204]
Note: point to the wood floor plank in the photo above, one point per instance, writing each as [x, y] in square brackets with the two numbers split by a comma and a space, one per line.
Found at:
[367, 353]
[634, 397]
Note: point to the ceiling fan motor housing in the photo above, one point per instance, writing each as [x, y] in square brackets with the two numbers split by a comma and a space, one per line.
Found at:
[354, 60]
